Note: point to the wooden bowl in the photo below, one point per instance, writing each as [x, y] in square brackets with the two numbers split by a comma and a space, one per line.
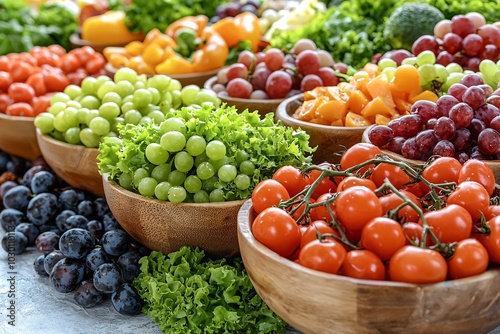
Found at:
[197, 79]
[166, 227]
[75, 164]
[77, 42]
[331, 141]
[18, 136]
[316, 302]
[494, 164]
[262, 106]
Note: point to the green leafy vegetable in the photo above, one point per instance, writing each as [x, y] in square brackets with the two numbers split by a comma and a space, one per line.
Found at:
[185, 292]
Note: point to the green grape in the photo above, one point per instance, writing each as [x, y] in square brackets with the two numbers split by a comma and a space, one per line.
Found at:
[90, 102]
[142, 97]
[124, 88]
[142, 78]
[149, 108]
[60, 124]
[426, 57]
[176, 178]
[89, 138]
[59, 97]
[173, 141]
[409, 61]
[454, 68]
[192, 184]
[72, 91]
[488, 67]
[216, 195]
[57, 107]
[73, 104]
[157, 116]
[241, 155]
[132, 117]
[469, 72]
[109, 110]
[175, 85]
[454, 77]
[207, 95]
[210, 183]
[161, 190]
[155, 95]
[159, 81]
[139, 85]
[183, 161]
[227, 173]
[215, 150]
[173, 124]
[57, 135]
[93, 113]
[441, 73]
[88, 85]
[165, 106]
[128, 98]
[69, 116]
[188, 94]
[386, 62]
[176, 98]
[195, 145]
[72, 135]
[389, 72]
[176, 194]
[145, 120]
[205, 170]
[112, 97]
[219, 163]
[199, 159]
[100, 126]
[147, 186]
[45, 122]
[247, 167]
[427, 73]
[156, 154]
[115, 122]
[242, 181]
[125, 180]
[100, 80]
[106, 87]
[160, 172]
[139, 174]
[81, 115]
[126, 74]
[201, 197]
[127, 106]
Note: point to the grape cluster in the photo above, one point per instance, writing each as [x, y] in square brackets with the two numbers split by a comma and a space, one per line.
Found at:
[84, 249]
[235, 7]
[464, 123]
[275, 75]
[83, 115]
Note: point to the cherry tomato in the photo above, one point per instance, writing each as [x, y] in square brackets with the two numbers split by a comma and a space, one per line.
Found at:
[450, 224]
[21, 71]
[442, 170]
[359, 153]
[311, 232]
[26, 57]
[277, 230]
[407, 213]
[268, 193]
[472, 196]
[5, 80]
[36, 80]
[300, 210]
[291, 178]
[492, 212]
[416, 265]
[418, 189]
[491, 241]
[70, 63]
[413, 234]
[325, 186]
[20, 109]
[56, 49]
[363, 264]
[95, 63]
[55, 82]
[326, 256]
[49, 59]
[352, 181]
[21, 92]
[76, 78]
[356, 206]
[396, 176]
[470, 258]
[321, 212]
[383, 236]
[5, 64]
[41, 104]
[83, 54]
[5, 101]
[479, 171]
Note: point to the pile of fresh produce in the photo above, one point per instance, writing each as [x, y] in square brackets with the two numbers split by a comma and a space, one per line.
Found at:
[426, 223]
[200, 155]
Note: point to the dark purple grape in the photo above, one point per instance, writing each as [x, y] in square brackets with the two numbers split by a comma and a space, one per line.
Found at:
[76, 243]
[444, 104]
[107, 278]
[17, 165]
[462, 156]
[129, 264]
[115, 242]
[380, 135]
[445, 129]
[425, 109]
[11, 218]
[42, 208]
[42, 182]
[495, 123]
[444, 148]
[475, 127]
[4, 159]
[51, 259]
[76, 221]
[473, 63]
[489, 142]
[426, 140]
[249, 8]
[86, 208]
[14, 243]
[101, 206]
[67, 274]
[406, 126]
[478, 155]
[110, 223]
[395, 144]
[96, 228]
[461, 114]
[126, 300]
[463, 140]
[87, 296]
[47, 242]
[431, 123]
[410, 149]
[69, 199]
[30, 231]
[17, 198]
[487, 89]
[61, 218]
[471, 79]
[30, 173]
[96, 257]
[38, 264]
[457, 91]
[474, 96]
[4, 187]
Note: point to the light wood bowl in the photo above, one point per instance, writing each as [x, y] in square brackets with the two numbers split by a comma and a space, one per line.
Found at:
[315, 302]
[77, 42]
[331, 141]
[75, 164]
[494, 164]
[18, 136]
[166, 227]
[262, 106]
[197, 79]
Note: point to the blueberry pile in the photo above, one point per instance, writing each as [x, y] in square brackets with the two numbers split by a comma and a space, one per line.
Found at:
[83, 248]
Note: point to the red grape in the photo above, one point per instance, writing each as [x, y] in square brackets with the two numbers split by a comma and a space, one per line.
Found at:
[476, 126]
[486, 113]
[395, 144]
[426, 140]
[490, 52]
[463, 139]
[274, 59]
[425, 109]
[398, 55]
[325, 58]
[247, 58]
[425, 42]
[239, 88]
[461, 114]
[328, 77]
[457, 91]
[490, 34]
[461, 25]
[406, 126]
[341, 67]
[462, 157]
[410, 149]
[380, 135]
[303, 44]
[444, 58]
[452, 43]
[486, 88]
[444, 148]
[494, 100]
[259, 95]
[444, 104]
[237, 70]
[445, 128]
[489, 142]
[474, 96]
[472, 45]
[473, 64]
[495, 123]
[310, 81]
[278, 84]
[308, 62]
[471, 79]
[259, 78]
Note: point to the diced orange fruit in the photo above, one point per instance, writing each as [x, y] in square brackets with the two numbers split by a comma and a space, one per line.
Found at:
[307, 111]
[425, 95]
[321, 121]
[382, 120]
[352, 119]
[406, 78]
[153, 54]
[402, 106]
[357, 101]
[134, 48]
[338, 122]
[379, 87]
[332, 110]
[375, 107]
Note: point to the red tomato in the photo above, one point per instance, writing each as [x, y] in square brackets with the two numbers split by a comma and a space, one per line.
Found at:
[413, 234]
[450, 224]
[326, 185]
[277, 230]
[321, 212]
[55, 82]
[49, 59]
[56, 49]
[36, 80]
[470, 258]
[356, 206]
[5, 81]
[396, 176]
[41, 104]
[492, 212]
[291, 178]
[5, 101]
[315, 228]
[76, 78]
[95, 63]
[472, 196]
[26, 57]
[405, 214]
[268, 193]
[479, 171]
[416, 265]
[442, 170]
[21, 92]
[363, 264]
[70, 63]
[383, 236]
[418, 189]
[83, 54]
[491, 241]
[300, 210]
[326, 256]
[20, 109]
[21, 71]
[359, 153]
[5, 64]
[352, 181]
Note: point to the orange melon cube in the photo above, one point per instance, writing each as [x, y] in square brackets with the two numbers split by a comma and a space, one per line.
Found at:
[307, 111]
[379, 87]
[382, 120]
[352, 119]
[320, 121]
[332, 110]
[346, 87]
[357, 101]
[371, 69]
[406, 78]
[425, 95]
[375, 107]
[338, 122]
[402, 106]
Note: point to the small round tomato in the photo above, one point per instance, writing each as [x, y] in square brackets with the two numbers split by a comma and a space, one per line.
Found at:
[40, 104]
[470, 258]
[49, 59]
[21, 92]
[20, 71]
[5, 64]
[416, 265]
[352, 181]
[20, 109]
[325, 186]
[442, 170]
[70, 63]
[268, 193]
[491, 241]
[472, 196]
[76, 78]
[277, 230]
[359, 153]
[407, 213]
[413, 234]
[55, 82]
[316, 227]
[83, 54]
[479, 171]
[300, 210]
[492, 212]
[383, 236]
[363, 264]
[396, 176]
[95, 64]
[5, 81]
[56, 49]
[356, 206]
[37, 81]
[450, 224]
[321, 212]
[291, 178]
[5, 101]
[326, 256]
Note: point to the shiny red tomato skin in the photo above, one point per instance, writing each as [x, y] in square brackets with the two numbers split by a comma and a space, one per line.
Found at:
[326, 256]
[470, 258]
[363, 264]
[479, 171]
[491, 241]
[356, 206]
[472, 196]
[383, 236]
[268, 193]
[417, 265]
[450, 224]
